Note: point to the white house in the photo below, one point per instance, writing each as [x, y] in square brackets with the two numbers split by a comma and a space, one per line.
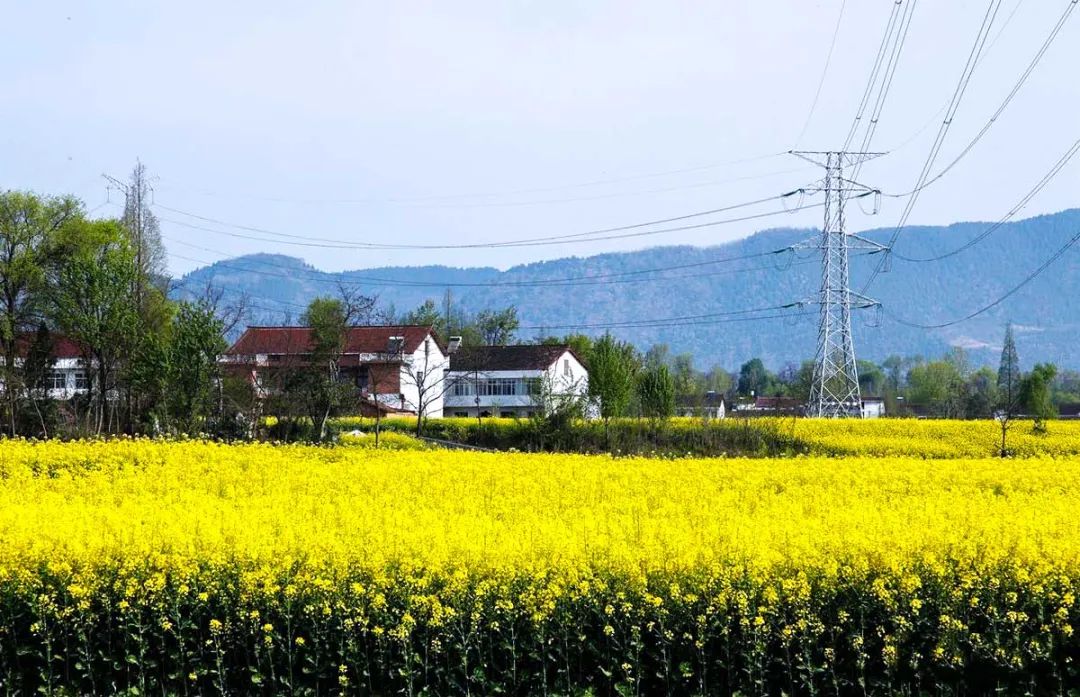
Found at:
[708, 406]
[67, 376]
[873, 407]
[396, 369]
[512, 381]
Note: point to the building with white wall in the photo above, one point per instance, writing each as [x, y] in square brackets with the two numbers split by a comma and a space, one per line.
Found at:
[512, 381]
[395, 369]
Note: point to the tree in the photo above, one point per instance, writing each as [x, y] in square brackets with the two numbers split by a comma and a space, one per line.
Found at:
[92, 303]
[497, 327]
[754, 378]
[872, 380]
[936, 385]
[428, 376]
[1009, 378]
[656, 391]
[31, 228]
[684, 375]
[718, 380]
[612, 369]
[321, 383]
[981, 394]
[1009, 375]
[1035, 394]
[144, 232]
[196, 342]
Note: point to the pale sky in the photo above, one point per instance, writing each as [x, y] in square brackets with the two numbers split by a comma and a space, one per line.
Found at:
[473, 122]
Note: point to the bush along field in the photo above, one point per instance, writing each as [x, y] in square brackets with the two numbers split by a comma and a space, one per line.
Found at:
[200, 568]
[752, 437]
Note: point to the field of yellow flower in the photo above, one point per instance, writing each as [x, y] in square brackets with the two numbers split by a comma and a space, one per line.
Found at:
[933, 438]
[192, 567]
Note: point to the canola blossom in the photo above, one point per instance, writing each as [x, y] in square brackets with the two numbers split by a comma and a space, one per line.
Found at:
[917, 438]
[193, 567]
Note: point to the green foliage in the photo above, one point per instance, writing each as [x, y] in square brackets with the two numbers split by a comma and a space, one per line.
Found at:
[1035, 394]
[497, 327]
[193, 374]
[613, 366]
[656, 392]
[756, 380]
[1009, 375]
[93, 304]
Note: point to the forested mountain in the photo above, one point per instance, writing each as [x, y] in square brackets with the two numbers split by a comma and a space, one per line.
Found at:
[1046, 312]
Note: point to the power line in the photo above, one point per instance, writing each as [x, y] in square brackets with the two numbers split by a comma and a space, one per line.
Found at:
[1004, 104]
[546, 189]
[824, 73]
[575, 238]
[634, 276]
[892, 43]
[889, 76]
[939, 141]
[1030, 277]
[680, 320]
[673, 321]
[1046, 179]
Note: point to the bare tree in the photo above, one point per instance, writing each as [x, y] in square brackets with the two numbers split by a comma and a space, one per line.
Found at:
[429, 376]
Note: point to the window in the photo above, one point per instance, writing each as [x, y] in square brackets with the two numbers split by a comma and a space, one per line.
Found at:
[507, 414]
[462, 388]
[54, 380]
[498, 387]
[533, 386]
[460, 414]
[566, 368]
[363, 378]
[82, 380]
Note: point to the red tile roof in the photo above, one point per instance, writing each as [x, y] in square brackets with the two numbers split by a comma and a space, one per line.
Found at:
[522, 357]
[62, 347]
[297, 340]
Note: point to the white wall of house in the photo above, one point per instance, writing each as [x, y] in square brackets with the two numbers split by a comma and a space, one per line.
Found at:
[66, 378]
[425, 371]
[515, 390]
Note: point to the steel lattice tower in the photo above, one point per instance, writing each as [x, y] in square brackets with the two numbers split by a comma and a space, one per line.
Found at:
[834, 391]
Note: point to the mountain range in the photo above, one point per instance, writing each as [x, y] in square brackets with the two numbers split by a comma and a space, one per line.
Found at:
[698, 305]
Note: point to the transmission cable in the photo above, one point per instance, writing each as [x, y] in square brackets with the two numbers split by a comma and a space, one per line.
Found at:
[1030, 277]
[1047, 178]
[939, 141]
[575, 238]
[824, 74]
[1004, 104]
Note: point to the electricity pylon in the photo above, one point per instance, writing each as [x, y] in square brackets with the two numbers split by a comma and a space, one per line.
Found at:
[834, 391]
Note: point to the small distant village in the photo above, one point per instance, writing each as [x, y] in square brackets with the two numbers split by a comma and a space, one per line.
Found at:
[93, 342]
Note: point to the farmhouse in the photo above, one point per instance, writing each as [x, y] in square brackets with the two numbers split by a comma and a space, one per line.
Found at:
[708, 406]
[395, 369]
[66, 374]
[513, 381]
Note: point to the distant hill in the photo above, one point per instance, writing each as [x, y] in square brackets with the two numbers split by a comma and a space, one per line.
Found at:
[1046, 312]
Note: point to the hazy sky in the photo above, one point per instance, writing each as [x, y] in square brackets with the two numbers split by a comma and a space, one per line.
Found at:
[471, 122]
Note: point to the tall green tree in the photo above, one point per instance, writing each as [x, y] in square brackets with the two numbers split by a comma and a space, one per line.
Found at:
[1035, 394]
[195, 343]
[612, 370]
[656, 391]
[92, 303]
[31, 232]
[498, 327]
[321, 386]
[755, 378]
[1009, 375]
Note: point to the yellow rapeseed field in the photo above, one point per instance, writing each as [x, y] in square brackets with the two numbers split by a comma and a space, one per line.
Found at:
[208, 567]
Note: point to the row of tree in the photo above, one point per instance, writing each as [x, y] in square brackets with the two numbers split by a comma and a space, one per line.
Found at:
[625, 381]
[150, 364]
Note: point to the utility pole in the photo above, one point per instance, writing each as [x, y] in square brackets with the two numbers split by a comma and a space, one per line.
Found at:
[834, 391]
[133, 220]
